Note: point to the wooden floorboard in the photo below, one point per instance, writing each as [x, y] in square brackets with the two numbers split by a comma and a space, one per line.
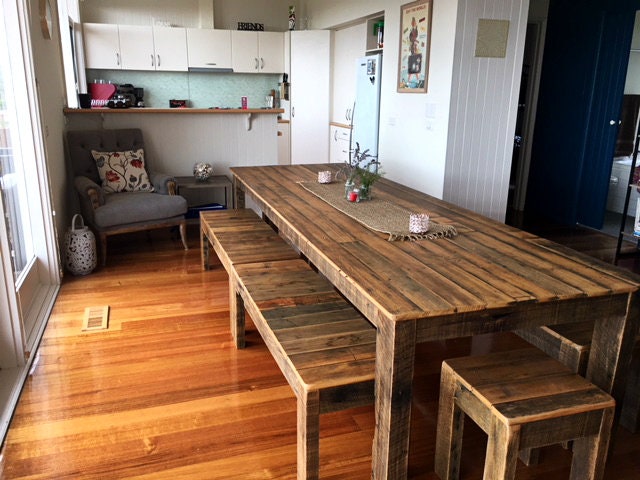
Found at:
[164, 394]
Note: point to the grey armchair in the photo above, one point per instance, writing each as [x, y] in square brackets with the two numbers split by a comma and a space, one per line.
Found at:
[116, 213]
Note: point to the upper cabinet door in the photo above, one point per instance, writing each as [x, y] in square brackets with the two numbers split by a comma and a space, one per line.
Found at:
[257, 52]
[244, 52]
[101, 46]
[271, 51]
[136, 47]
[209, 48]
[170, 46]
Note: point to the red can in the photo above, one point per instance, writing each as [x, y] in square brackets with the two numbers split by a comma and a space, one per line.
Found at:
[244, 103]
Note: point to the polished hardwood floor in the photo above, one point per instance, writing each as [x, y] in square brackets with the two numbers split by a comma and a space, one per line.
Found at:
[164, 394]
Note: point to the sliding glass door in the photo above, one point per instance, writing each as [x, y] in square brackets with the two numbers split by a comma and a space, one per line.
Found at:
[29, 270]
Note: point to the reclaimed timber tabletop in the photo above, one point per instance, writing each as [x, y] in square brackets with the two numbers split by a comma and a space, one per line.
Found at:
[489, 278]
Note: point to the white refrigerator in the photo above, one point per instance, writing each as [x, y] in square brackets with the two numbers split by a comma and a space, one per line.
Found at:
[366, 113]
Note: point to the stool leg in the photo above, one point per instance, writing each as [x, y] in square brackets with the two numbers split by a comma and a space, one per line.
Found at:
[309, 437]
[450, 428]
[502, 451]
[590, 453]
[236, 314]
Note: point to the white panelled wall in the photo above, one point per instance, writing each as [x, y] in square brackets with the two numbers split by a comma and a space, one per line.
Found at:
[175, 142]
[483, 110]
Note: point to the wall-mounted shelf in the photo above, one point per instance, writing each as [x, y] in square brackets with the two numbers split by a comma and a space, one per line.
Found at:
[372, 36]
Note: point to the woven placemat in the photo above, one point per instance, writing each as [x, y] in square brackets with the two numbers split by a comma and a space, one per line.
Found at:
[379, 215]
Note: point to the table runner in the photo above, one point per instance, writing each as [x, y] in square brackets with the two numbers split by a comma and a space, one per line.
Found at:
[379, 215]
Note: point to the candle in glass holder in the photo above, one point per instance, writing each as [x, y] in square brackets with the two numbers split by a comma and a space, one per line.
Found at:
[418, 222]
[353, 195]
[324, 176]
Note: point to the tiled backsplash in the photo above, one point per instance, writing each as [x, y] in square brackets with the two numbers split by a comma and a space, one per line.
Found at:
[202, 90]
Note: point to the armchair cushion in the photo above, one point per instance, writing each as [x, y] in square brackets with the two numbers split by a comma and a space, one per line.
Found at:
[122, 171]
[134, 207]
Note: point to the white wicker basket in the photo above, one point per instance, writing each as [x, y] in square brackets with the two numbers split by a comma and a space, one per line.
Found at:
[80, 248]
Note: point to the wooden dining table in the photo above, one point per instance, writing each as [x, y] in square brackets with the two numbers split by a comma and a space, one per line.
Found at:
[489, 277]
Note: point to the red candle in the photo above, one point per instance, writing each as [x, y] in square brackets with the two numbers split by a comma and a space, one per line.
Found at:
[353, 196]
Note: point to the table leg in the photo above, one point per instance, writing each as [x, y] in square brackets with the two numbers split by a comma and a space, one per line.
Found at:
[395, 350]
[612, 345]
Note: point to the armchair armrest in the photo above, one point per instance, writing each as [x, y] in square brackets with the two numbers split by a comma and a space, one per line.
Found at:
[89, 191]
[91, 196]
[163, 183]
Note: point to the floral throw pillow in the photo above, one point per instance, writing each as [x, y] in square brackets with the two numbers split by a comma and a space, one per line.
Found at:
[122, 171]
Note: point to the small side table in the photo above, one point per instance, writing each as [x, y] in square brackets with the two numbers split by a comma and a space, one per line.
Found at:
[201, 194]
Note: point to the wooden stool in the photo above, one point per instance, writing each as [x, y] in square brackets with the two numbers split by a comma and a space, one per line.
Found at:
[521, 399]
[570, 343]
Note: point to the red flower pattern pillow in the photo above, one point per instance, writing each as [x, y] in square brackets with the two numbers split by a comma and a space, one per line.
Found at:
[122, 171]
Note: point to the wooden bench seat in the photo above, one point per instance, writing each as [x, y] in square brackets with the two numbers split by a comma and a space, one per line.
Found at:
[570, 344]
[521, 399]
[240, 236]
[323, 346]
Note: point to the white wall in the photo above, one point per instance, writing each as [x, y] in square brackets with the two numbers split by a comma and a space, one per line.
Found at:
[47, 58]
[413, 127]
[223, 14]
[483, 110]
[632, 85]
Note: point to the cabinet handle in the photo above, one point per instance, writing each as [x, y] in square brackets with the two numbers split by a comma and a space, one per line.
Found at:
[256, 59]
[153, 64]
[117, 58]
[261, 63]
[293, 111]
[335, 135]
[347, 114]
[158, 62]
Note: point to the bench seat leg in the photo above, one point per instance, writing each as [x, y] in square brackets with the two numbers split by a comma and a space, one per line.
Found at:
[309, 436]
[450, 430]
[236, 314]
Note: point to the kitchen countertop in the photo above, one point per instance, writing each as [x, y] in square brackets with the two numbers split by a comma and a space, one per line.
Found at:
[174, 110]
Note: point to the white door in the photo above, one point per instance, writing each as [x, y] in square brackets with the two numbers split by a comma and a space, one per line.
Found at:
[170, 46]
[101, 46]
[309, 93]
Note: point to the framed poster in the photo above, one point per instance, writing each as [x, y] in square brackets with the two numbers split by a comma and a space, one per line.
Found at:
[415, 42]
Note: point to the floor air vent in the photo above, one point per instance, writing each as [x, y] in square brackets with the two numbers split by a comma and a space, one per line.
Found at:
[96, 318]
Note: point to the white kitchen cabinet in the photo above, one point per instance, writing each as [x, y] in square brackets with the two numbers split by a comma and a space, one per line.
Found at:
[257, 52]
[170, 45]
[339, 144]
[101, 46]
[309, 77]
[134, 47]
[209, 48]
[348, 44]
[284, 144]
